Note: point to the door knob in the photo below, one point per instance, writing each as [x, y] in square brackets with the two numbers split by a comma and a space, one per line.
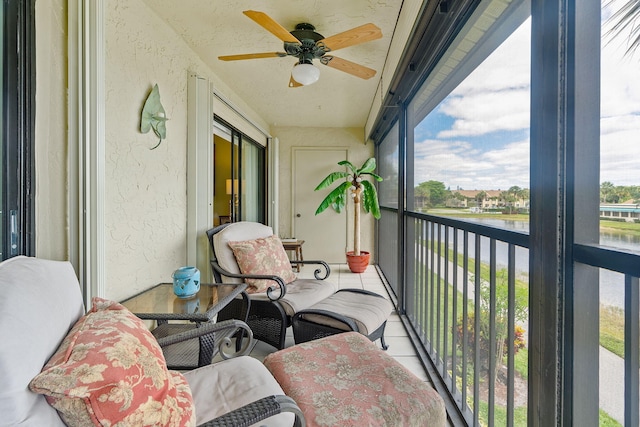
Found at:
[298, 215]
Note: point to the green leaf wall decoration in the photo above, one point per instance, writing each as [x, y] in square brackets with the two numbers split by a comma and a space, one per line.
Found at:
[154, 116]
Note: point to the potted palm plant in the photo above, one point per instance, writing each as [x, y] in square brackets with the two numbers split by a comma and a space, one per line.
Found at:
[363, 193]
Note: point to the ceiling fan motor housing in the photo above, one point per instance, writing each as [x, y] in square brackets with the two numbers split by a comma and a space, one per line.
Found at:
[306, 31]
[309, 48]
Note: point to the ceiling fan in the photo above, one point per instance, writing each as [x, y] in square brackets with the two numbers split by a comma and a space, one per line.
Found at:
[306, 45]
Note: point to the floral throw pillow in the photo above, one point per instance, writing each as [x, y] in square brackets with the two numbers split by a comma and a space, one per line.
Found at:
[262, 256]
[110, 371]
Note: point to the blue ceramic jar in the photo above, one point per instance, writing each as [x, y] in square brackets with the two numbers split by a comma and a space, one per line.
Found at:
[186, 282]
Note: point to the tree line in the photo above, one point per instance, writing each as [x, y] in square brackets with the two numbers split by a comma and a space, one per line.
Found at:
[610, 193]
[435, 193]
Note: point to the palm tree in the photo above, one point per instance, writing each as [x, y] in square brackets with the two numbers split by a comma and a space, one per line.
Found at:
[509, 198]
[422, 194]
[627, 19]
[606, 188]
[362, 192]
[459, 198]
[525, 195]
[480, 198]
[516, 192]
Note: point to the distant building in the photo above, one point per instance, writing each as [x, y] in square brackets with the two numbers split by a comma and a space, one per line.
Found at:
[628, 211]
[492, 200]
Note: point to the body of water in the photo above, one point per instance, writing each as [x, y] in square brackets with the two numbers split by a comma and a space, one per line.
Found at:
[611, 283]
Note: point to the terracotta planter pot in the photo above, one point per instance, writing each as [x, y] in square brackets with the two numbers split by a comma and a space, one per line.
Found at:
[358, 263]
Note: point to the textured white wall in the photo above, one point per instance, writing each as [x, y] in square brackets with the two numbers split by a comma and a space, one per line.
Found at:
[51, 130]
[146, 190]
[353, 140]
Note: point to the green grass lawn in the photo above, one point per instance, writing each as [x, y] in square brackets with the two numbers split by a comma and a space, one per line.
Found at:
[611, 318]
[627, 227]
[612, 329]
[520, 416]
[607, 421]
[500, 415]
[521, 363]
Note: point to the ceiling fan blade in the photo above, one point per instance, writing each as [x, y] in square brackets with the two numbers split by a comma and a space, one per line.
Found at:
[293, 83]
[252, 56]
[266, 22]
[354, 36]
[349, 67]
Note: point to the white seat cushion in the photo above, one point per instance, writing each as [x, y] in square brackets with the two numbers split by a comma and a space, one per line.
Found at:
[302, 294]
[237, 231]
[368, 311]
[228, 385]
[41, 300]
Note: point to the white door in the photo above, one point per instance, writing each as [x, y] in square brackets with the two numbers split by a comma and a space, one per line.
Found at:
[325, 235]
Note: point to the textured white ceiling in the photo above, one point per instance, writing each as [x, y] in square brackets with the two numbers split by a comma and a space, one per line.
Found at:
[218, 27]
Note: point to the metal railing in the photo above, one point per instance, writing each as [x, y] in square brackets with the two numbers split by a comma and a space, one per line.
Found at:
[461, 287]
[464, 300]
[628, 264]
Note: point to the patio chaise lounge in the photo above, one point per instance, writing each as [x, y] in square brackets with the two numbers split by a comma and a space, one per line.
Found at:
[249, 252]
[109, 368]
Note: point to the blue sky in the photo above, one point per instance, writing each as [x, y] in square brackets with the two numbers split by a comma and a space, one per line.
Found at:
[478, 137]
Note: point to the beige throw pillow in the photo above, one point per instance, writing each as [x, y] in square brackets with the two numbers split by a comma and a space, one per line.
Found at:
[264, 256]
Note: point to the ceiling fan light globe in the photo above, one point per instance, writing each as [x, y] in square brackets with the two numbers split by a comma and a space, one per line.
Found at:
[305, 74]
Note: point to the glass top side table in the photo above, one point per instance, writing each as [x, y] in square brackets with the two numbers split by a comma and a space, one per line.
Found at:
[187, 329]
[159, 302]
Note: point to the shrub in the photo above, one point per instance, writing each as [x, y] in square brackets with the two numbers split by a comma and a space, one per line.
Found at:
[484, 344]
[500, 313]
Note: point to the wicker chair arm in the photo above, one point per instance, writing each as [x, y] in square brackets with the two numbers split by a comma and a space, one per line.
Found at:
[257, 411]
[165, 317]
[317, 272]
[340, 318]
[270, 292]
[223, 302]
[224, 329]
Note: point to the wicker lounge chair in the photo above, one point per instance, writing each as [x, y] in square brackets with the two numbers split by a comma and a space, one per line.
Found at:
[271, 312]
[43, 323]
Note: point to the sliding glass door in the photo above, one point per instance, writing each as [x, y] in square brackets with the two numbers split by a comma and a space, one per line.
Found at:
[17, 124]
[240, 176]
[252, 169]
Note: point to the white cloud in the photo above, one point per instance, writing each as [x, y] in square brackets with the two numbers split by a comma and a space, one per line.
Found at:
[495, 97]
[620, 91]
[619, 109]
[458, 165]
[623, 122]
[486, 112]
[509, 69]
[620, 157]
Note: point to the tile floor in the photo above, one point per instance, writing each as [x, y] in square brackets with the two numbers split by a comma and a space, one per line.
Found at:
[400, 346]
